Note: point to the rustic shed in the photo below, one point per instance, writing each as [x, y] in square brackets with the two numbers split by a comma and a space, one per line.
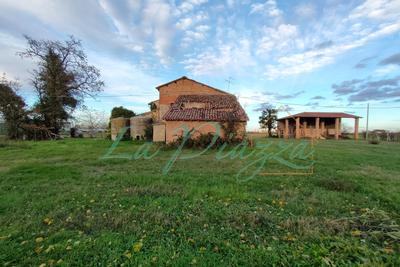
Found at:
[318, 125]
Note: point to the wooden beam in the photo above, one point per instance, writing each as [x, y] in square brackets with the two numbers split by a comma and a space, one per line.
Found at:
[298, 128]
[317, 128]
[286, 130]
[337, 128]
[356, 128]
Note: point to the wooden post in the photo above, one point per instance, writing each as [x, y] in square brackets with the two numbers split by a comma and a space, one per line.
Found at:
[323, 128]
[298, 128]
[286, 130]
[356, 129]
[337, 128]
[317, 128]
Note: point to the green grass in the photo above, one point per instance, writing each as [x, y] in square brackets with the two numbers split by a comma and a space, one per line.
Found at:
[60, 204]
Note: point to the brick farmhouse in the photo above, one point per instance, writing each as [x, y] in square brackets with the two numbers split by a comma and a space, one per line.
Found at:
[186, 102]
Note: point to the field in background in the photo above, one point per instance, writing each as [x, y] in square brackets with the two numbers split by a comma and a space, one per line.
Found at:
[61, 204]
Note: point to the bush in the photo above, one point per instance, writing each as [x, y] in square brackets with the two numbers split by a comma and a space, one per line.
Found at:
[148, 131]
[203, 141]
[374, 142]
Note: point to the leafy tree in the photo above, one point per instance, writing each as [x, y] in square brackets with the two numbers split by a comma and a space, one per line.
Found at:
[62, 80]
[268, 119]
[117, 112]
[12, 109]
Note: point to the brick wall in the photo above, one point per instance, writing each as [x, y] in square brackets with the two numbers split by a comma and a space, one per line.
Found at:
[169, 93]
[174, 129]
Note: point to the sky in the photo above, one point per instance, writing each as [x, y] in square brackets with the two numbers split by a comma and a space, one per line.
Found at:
[326, 55]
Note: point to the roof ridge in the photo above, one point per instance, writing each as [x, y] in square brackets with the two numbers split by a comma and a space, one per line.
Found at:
[184, 77]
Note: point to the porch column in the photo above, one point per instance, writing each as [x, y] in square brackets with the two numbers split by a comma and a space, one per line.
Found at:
[317, 128]
[286, 130]
[298, 128]
[337, 128]
[356, 129]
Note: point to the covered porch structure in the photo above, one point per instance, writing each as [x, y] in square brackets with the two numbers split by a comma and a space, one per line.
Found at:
[319, 125]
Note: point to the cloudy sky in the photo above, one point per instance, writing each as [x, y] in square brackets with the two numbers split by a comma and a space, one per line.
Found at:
[326, 55]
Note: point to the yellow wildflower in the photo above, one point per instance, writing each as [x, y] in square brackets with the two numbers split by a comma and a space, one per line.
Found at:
[50, 248]
[356, 233]
[137, 246]
[128, 254]
[47, 221]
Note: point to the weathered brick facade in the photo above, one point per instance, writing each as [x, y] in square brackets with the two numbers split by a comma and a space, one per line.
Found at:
[167, 130]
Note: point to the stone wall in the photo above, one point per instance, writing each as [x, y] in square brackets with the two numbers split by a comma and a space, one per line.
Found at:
[139, 124]
[117, 124]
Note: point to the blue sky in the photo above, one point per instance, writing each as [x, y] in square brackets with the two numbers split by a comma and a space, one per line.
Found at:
[300, 55]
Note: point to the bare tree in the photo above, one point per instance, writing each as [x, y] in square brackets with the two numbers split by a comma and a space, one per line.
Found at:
[62, 79]
[93, 121]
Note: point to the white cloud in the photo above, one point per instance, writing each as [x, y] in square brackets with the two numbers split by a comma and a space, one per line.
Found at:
[184, 23]
[189, 5]
[281, 38]
[268, 8]
[157, 22]
[305, 10]
[191, 19]
[12, 65]
[227, 58]
[310, 60]
[377, 9]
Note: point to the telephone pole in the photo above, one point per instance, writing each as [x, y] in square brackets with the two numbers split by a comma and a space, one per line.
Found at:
[366, 130]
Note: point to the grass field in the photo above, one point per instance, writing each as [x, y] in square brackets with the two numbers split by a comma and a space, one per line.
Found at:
[60, 204]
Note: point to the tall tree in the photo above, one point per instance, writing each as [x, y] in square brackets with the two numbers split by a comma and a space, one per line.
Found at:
[12, 109]
[62, 80]
[268, 119]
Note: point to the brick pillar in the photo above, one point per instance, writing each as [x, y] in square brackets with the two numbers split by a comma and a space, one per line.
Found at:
[317, 128]
[286, 130]
[298, 128]
[356, 128]
[337, 128]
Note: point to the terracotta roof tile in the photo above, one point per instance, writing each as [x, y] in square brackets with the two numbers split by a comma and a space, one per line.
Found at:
[321, 115]
[212, 108]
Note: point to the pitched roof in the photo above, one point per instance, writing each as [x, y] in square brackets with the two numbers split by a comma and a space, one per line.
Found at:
[214, 108]
[186, 78]
[321, 115]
